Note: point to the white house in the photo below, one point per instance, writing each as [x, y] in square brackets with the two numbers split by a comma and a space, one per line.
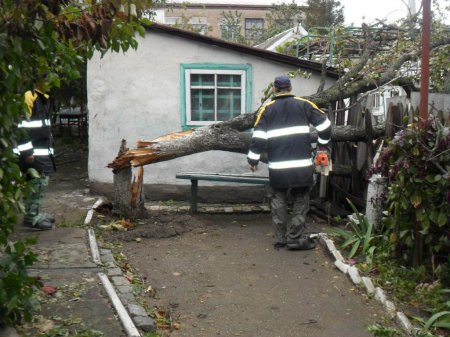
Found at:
[178, 80]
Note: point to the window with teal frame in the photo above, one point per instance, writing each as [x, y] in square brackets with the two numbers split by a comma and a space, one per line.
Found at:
[213, 93]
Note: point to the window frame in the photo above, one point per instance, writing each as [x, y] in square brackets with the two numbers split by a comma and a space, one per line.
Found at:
[250, 32]
[244, 70]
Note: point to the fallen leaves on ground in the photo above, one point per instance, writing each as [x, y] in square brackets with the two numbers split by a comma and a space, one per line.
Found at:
[49, 290]
[43, 324]
[118, 225]
[164, 319]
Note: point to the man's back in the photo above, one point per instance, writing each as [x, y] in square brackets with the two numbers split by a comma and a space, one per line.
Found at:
[284, 123]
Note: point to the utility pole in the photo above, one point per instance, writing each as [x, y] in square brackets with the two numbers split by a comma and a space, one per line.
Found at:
[425, 64]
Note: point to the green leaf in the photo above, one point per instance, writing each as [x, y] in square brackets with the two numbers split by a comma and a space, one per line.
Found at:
[442, 219]
[416, 200]
[354, 249]
[141, 30]
[434, 215]
[434, 318]
[145, 21]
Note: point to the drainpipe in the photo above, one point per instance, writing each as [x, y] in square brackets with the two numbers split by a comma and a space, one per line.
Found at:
[425, 64]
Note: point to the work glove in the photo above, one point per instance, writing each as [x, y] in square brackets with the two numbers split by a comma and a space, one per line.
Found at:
[253, 164]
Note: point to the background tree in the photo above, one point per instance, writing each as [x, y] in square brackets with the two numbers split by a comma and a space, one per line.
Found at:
[323, 13]
[283, 16]
[230, 26]
[36, 38]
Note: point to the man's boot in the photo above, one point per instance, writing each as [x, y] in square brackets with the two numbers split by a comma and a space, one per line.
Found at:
[304, 243]
[33, 217]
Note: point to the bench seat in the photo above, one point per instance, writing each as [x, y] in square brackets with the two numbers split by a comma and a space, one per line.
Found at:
[194, 177]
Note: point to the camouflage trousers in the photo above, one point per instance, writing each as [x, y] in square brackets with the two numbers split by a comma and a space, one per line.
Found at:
[33, 202]
[289, 230]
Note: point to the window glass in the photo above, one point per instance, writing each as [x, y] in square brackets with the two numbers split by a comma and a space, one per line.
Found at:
[228, 103]
[202, 80]
[229, 80]
[214, 95]
[254, 28]
[202, 104]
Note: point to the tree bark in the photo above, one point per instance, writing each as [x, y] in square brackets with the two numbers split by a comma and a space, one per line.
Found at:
[215, 137]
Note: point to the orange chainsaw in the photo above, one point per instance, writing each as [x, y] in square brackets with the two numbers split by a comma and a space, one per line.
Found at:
[322, 162]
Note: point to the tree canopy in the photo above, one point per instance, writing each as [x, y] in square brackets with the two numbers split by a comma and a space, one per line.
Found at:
[323, 13]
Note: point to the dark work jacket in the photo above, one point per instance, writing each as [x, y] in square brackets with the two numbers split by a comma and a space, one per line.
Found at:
[36, 138]
[282, 128]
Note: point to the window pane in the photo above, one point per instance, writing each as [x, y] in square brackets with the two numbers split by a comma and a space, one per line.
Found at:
[202, 79]
[228, 103]
[202, 104]
[254, 28]
[254, 23]
[229, 80]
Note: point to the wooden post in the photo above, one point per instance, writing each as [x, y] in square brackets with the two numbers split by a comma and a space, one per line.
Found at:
[369, 140]
[425, 61]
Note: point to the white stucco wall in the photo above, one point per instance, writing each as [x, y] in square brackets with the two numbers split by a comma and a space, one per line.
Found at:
[136, 96]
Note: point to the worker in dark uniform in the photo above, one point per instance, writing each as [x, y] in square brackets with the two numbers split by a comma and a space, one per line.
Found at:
[282, 129]
[36, 151]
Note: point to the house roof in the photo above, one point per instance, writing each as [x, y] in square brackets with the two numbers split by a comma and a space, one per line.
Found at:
[288, 35]
[265, 54]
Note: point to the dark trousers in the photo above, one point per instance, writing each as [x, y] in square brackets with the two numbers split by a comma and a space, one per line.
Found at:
[289, 230]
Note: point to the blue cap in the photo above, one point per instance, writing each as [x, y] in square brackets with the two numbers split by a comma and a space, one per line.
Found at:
[282, 82]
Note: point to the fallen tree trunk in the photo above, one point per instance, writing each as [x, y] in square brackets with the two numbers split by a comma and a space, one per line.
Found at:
[220, 137]
[231, 136]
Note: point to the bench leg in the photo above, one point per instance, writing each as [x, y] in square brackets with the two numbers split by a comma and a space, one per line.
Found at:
[194, 189]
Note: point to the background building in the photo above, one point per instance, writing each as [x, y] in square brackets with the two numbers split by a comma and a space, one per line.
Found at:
[227, 19]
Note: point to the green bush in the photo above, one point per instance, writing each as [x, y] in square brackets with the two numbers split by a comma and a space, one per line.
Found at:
[416, 163]
[37, 38]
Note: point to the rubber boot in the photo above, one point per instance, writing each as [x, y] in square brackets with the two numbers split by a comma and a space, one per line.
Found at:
[33, 217]
[304, 243]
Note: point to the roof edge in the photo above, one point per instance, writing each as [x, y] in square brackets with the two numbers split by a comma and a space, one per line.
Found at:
[266, 54]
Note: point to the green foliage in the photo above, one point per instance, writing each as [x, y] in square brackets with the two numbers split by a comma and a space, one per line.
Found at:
[382, 331]
[187, 23]
[16, 287]
[440, 312]
[417, 225]
[411, 288]
[281, 17]
[51, 38]
[358, 241]
[231, 28]
[324, 13]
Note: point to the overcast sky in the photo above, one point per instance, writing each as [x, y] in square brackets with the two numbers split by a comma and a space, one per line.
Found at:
[392, 10]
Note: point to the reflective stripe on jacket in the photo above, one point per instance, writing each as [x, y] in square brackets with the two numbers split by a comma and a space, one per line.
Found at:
[36, 137]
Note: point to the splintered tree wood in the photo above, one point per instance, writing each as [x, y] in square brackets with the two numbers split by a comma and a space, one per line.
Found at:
[137, 189]
[128, 191]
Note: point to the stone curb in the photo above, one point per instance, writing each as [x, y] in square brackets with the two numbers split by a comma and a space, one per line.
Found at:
[210, 208]
[122, 290]
[377, 292]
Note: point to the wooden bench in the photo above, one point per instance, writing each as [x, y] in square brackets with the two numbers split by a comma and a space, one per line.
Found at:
[194, 177]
